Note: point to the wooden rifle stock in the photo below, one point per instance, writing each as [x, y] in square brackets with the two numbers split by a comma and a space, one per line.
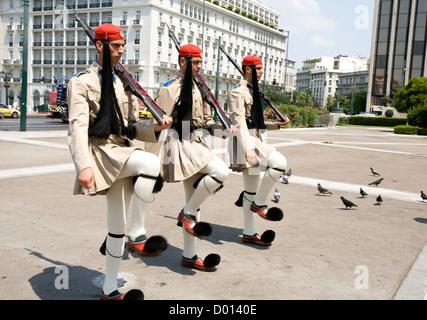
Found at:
[208, 97]
[129, 82]
[205, 91]
[264, 97]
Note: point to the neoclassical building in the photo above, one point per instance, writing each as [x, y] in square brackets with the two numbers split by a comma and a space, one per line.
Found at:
[59, 47]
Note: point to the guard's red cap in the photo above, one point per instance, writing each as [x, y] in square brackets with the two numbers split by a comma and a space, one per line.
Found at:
[190, 50]
[109, 31]
[252, 60]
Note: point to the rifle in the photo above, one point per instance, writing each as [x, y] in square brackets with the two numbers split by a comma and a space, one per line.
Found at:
[129, 82]
[205, 91]
[264, 97]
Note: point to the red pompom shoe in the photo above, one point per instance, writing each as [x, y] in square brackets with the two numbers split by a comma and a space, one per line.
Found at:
[265, 240]
[209, 264]
[115, 295]
[272, 214]
[196, 229]
[153, 247]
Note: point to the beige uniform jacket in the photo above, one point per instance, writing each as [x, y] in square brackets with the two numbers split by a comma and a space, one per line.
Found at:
[106, 156]
[241, 101]
[182, 159]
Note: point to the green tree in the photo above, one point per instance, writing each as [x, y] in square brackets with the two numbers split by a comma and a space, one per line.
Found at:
[344, 102]
[418, 117]
[300, 99]
[274, 95]
[359, 101]
[412, 96]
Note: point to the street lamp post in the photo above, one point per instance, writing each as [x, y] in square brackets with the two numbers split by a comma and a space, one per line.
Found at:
[23, 126]
[6, 85]
[286, 68]
[265, 70]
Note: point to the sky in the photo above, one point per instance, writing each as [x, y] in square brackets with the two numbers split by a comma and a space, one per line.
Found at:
[326, 27]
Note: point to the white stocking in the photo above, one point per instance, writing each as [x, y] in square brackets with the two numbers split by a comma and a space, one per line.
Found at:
[189, 240]
[195, 197]
[250, 184]
[141, 163]
[274, 161]
[215, 174]
[114, 252]
[119, 196]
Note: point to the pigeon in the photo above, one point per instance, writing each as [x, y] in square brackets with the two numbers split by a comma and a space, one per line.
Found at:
[322, 190]
[379, 200]
[423, 196]
[276, 195]
[363, 193]
[377, 182]
[348, 203]
[374, 172]
[283, 179]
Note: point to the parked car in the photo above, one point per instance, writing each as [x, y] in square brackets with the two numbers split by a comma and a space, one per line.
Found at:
[1, 115]
[12, 113]
[144, 113]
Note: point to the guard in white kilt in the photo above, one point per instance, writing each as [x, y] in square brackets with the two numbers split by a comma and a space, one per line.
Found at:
[103, 120]
[185, 155]
[250, 155]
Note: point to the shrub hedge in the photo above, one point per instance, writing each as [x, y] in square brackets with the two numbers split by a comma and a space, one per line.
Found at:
[303, 117]
[411, 130]
[377, 121]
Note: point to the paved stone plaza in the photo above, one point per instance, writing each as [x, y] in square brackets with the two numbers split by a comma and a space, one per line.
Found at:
[50, 239]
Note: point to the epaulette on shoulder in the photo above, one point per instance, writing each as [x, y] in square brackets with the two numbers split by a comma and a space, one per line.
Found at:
[80, 73]
[169, 83]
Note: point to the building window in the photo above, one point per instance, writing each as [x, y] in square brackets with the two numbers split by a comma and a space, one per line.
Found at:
[137, 36]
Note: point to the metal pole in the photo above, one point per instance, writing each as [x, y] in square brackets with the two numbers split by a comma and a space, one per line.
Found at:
[308, 87]
[217, 69]
[217, 74]
[6, 85]
[203, 26]
[286, 69]
[24, 68]
[265, 70]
